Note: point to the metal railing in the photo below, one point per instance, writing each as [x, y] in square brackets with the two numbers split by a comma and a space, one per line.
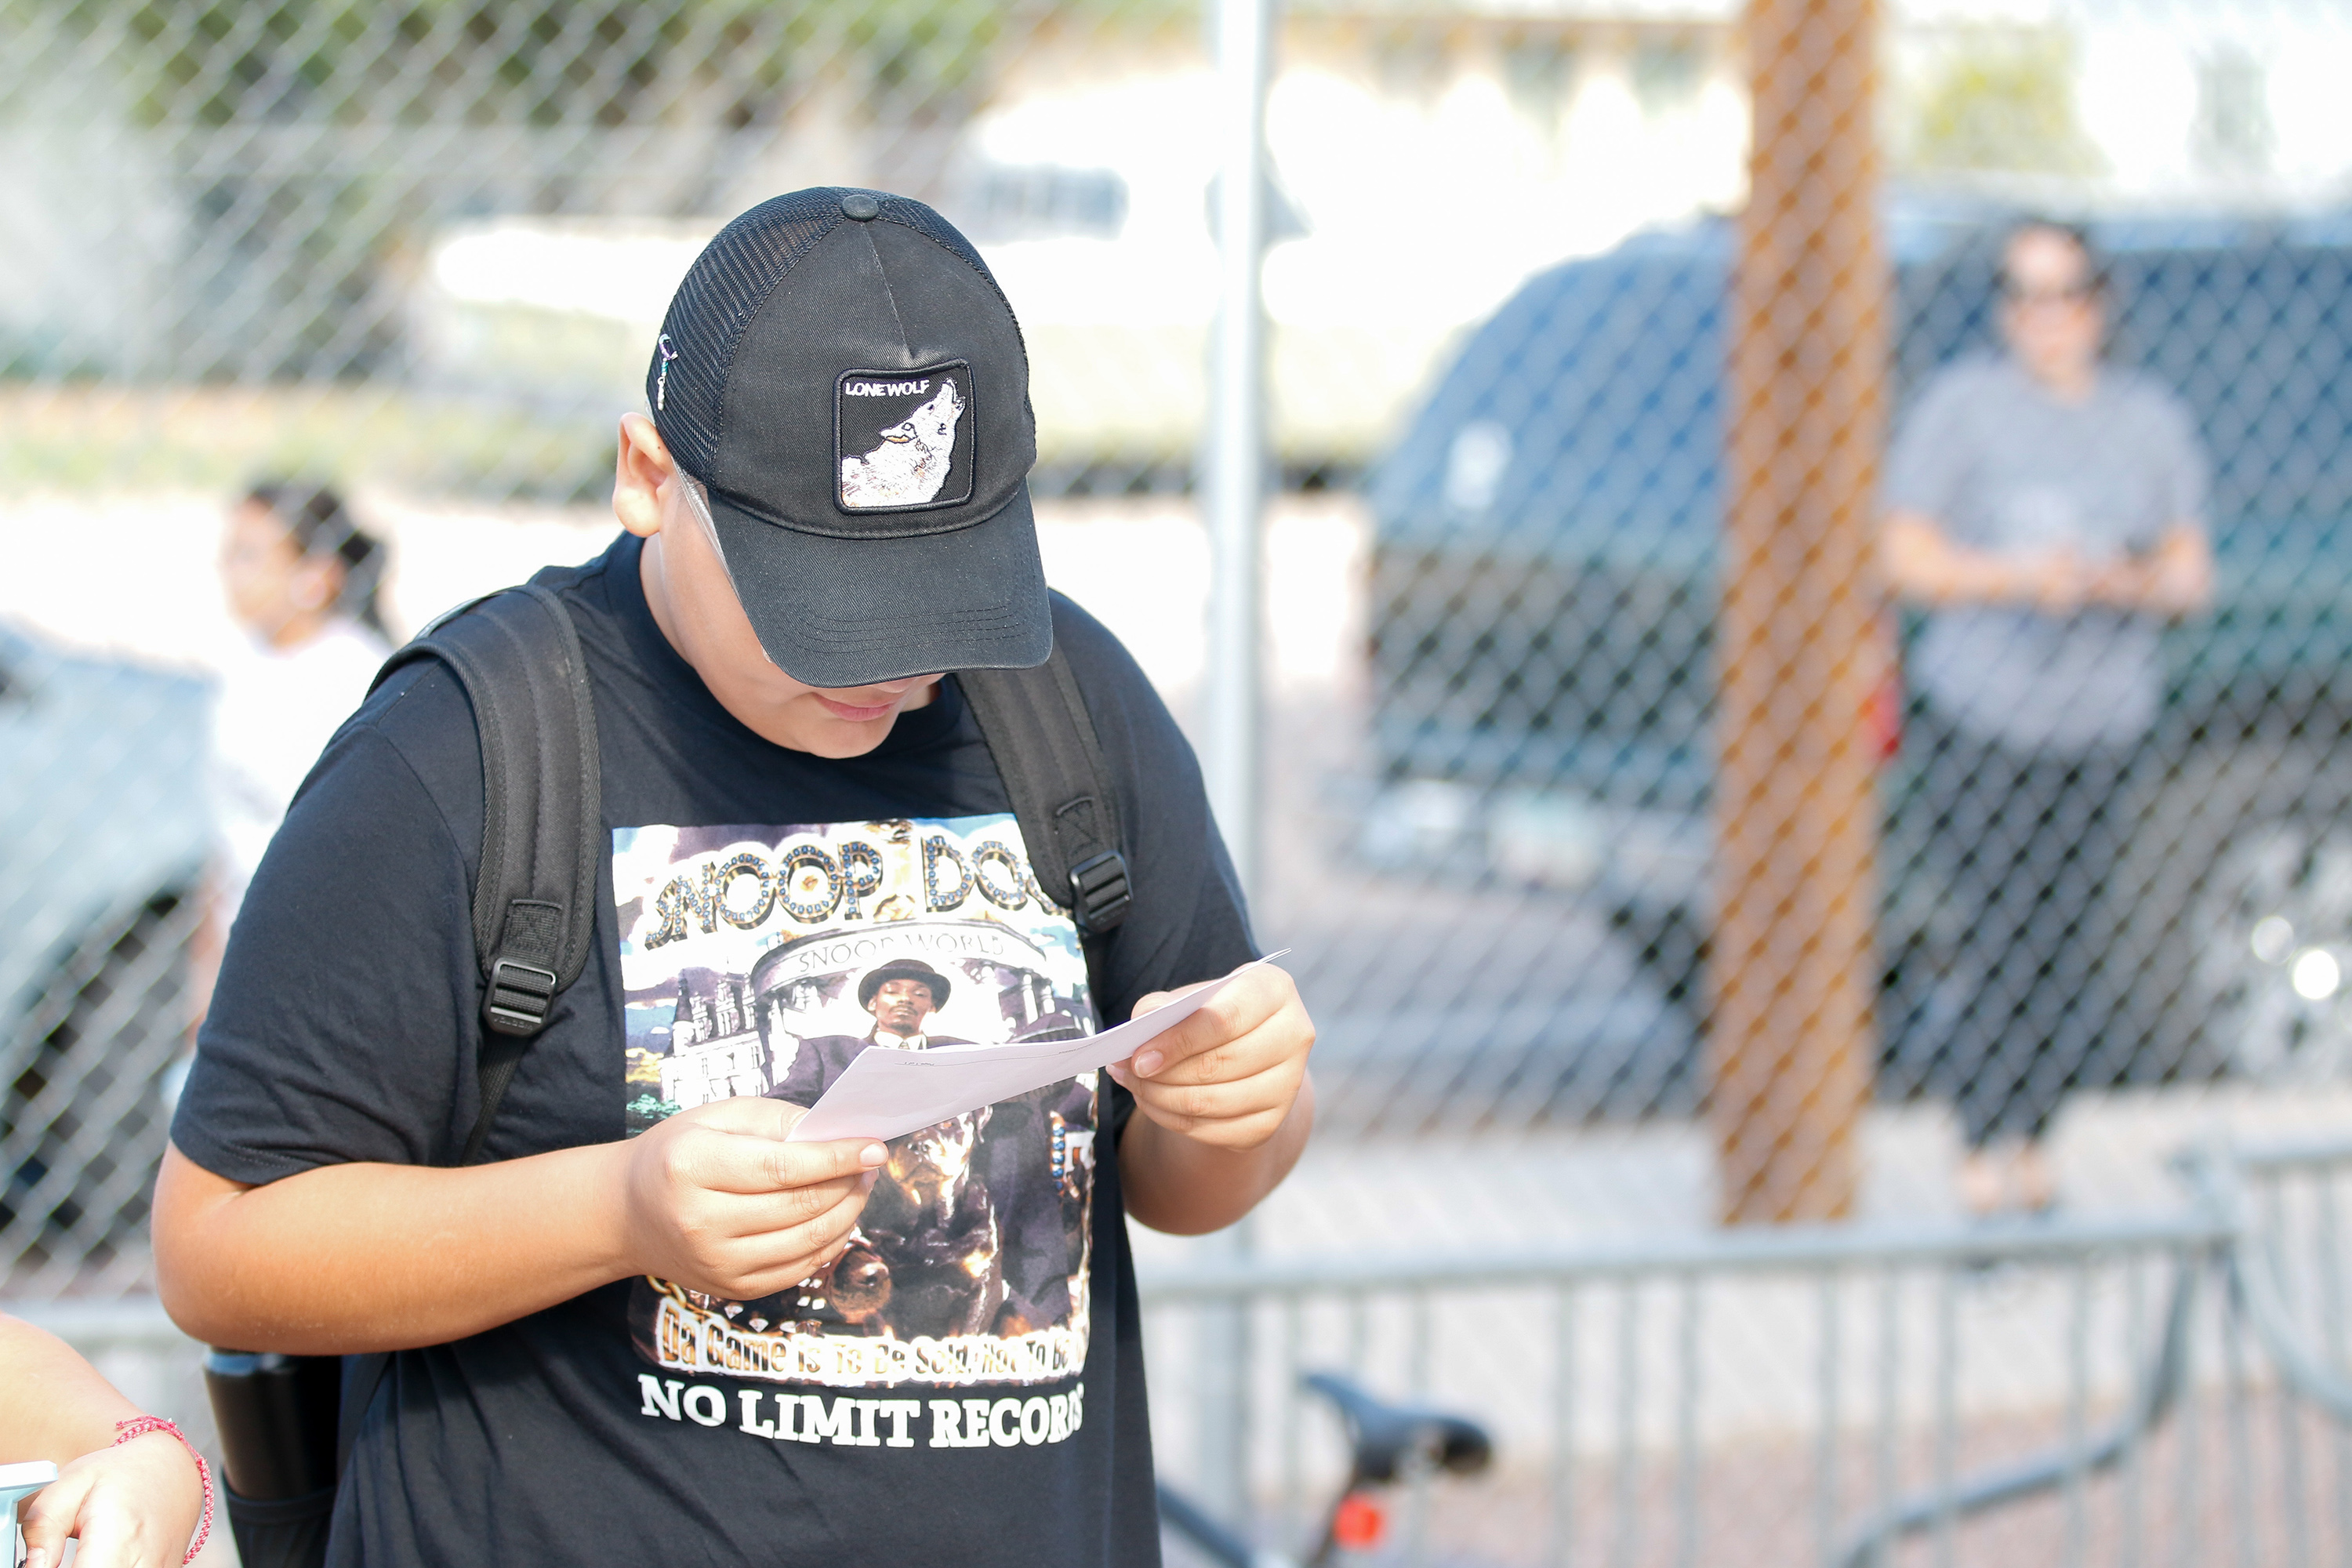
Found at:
[1838, 1395]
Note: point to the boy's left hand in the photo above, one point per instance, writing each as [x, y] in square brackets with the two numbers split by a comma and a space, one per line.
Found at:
[1228, 1074]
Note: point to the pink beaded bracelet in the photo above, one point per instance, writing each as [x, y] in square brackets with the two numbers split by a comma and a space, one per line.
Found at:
[139, 1427]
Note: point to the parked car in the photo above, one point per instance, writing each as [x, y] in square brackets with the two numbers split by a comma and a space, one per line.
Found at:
[103, 833]
[1545, 591]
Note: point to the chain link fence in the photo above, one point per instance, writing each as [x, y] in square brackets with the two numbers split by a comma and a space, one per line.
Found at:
[1745, 740]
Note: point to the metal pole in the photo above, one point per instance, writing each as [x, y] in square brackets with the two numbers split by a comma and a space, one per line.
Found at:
[1235, 497]
[1800, 653]
[1236, 433]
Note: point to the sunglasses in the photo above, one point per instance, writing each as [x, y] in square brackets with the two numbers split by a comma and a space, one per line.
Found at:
[2018, 293]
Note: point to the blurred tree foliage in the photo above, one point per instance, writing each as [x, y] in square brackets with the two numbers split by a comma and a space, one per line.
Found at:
[550, 61]
[2002, 105]
[607, 62]
[306, 151]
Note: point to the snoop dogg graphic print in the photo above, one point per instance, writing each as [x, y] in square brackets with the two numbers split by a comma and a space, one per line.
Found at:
[761, 961]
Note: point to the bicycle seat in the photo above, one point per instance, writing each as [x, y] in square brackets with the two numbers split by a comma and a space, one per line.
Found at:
[1385, 1437]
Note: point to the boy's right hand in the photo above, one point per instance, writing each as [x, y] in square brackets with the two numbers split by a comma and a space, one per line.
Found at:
[718, 1202]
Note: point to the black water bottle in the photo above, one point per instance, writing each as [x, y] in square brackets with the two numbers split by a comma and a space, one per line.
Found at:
[276, 1415]
[277, 1420]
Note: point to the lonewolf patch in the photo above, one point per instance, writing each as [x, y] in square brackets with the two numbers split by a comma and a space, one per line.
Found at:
[904, 438]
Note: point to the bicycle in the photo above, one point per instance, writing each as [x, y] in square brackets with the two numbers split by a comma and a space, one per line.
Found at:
[1388, 1443]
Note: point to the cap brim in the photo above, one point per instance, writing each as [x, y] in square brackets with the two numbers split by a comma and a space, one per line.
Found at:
[850, 612]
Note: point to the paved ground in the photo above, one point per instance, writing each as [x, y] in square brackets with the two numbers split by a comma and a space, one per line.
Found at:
[2179, 1501]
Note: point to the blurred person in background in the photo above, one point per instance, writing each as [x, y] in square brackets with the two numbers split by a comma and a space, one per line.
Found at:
[301, 579]
[2045, 511]
[130, 1492]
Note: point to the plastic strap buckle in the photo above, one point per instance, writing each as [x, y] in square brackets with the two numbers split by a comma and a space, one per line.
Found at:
[1101, 891]
[520, 995]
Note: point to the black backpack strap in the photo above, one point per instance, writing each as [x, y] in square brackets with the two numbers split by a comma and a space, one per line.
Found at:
[517, 654]
[1043, 744]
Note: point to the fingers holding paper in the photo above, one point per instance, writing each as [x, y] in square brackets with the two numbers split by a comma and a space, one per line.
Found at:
[720, 1200]
[1228, 1076]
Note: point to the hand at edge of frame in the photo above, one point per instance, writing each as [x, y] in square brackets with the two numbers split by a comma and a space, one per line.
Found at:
[1228, 1074]
[134, 1505]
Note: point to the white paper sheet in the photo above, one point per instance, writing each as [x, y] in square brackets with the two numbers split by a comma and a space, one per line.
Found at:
[887, 1094]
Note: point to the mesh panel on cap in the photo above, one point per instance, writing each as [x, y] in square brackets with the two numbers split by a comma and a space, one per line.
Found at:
[727, 284]
[724, 287]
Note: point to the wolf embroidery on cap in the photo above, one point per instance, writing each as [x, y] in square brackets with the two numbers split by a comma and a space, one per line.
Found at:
[910, 466]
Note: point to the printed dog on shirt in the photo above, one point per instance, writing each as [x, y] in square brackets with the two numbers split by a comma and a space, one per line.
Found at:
[910, 466]
[932, 1224]
[925, 1260]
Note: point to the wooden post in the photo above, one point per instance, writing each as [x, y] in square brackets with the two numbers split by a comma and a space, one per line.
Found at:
[1797, 812]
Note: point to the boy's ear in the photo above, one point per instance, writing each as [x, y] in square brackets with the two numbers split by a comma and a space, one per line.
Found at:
[641, 467]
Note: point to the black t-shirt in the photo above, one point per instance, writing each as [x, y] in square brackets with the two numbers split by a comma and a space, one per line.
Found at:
[967, 1385]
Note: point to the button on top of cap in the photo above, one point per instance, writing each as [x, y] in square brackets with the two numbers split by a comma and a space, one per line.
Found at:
[860, 206]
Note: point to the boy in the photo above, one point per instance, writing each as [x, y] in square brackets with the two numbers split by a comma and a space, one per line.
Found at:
[695, 1343]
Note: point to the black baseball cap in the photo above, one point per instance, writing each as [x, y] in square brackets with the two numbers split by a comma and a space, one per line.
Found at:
[841, 372]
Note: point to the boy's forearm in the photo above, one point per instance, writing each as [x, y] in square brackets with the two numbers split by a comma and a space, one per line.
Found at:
[354, 1257]
[1181, 1185]
[53, 1404]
